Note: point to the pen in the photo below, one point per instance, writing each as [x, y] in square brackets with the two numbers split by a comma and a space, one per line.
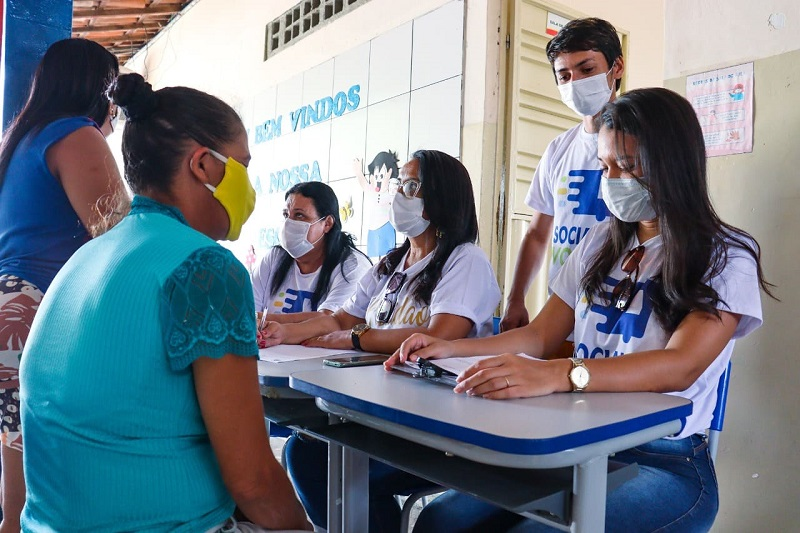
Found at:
[263, 319]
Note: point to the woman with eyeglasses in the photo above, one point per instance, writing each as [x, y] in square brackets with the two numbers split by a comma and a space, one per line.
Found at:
[140, 400]
[315, 269]
[657, 297]
[57, 174]
[417, 287]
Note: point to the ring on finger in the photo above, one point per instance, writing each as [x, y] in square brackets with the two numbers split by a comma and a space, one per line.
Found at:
[508, 383]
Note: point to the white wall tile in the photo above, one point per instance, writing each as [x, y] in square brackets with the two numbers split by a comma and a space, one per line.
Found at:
[387, 128]
[436, 118]
[317, 82]
[438, 45]
[289, 99]
[390, 64]
[348, 142]
[351, 205]
[352, 68]
[315, 145]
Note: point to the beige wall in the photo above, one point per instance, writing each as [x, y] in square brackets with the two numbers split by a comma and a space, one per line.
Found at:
[758, 462]
[218, 45]
[713, 33]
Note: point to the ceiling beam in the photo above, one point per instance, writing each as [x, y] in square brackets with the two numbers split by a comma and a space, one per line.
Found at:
[118, 27]
[116, 13]
[125, 41]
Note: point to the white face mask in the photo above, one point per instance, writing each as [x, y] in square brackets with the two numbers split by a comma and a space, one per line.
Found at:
[406, 215]
[627, 199]
[294, 237]
[587, 96]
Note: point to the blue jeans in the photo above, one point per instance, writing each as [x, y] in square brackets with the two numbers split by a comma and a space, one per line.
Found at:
[675, 491]
[307, 464]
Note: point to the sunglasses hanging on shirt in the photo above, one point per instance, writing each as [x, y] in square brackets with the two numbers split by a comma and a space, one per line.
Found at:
[386, 309]
[625, 290]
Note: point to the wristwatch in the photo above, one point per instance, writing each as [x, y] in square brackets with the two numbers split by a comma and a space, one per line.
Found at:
[356, 332]
[579, 375]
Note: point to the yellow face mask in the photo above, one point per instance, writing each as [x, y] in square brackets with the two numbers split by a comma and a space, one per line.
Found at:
[235, 194]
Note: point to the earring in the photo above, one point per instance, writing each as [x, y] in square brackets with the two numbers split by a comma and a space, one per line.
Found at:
[439, 234]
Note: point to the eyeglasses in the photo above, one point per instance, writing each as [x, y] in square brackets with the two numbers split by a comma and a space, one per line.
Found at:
[623, 293]
[390, 297]
[409, 188]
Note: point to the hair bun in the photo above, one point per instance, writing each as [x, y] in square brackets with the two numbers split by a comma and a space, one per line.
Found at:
[135, 96]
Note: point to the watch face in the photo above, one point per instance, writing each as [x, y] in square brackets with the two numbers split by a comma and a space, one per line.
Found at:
[360, 328]
[579, 377]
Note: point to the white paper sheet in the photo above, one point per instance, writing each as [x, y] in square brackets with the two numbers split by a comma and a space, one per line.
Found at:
[291, 352]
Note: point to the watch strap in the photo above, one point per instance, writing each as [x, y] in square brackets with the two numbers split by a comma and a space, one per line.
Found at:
[355, 336]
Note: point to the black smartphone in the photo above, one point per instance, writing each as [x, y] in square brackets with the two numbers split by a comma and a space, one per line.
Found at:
[355, 360]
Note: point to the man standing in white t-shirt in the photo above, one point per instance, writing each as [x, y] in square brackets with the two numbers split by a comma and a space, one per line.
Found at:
[586, 56]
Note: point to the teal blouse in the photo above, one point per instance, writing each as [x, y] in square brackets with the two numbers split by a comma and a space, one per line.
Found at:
[114, 437]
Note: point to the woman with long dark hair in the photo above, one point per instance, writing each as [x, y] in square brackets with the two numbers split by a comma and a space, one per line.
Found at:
[315, 269]
[656, 297]
[417, 287]
[140, 401]
[57, 182]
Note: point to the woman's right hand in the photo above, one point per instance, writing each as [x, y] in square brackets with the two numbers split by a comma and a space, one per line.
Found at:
[420, 346]
[273, 334]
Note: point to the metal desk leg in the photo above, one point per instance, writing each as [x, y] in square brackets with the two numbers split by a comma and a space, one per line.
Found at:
[355, 490]
[334, 488]
[589, 495]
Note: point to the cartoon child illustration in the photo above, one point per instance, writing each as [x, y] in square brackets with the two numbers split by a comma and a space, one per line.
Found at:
[737, 93]
[379, 186]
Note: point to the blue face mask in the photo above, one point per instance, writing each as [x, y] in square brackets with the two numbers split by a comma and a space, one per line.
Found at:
[627, 199]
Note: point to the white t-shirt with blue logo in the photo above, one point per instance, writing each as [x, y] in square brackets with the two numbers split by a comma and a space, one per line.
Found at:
[294, 295]
[603, 331]
[467, 288]
[566, 186]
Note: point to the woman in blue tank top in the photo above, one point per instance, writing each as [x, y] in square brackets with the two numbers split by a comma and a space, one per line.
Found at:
[56, 177]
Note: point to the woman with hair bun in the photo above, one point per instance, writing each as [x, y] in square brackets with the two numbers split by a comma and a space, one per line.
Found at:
[147, 414]
[56, 177]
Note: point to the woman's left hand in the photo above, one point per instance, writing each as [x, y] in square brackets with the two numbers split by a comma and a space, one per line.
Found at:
[337, 339]
[513, 376]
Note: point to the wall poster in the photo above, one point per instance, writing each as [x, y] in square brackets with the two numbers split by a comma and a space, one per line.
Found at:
[352, 122]
[723, 101]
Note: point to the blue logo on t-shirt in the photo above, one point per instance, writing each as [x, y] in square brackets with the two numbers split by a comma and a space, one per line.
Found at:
[293, 300]
[627, 324]
[588, 197]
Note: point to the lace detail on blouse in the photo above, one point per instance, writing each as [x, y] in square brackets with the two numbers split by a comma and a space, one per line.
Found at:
[207, 308]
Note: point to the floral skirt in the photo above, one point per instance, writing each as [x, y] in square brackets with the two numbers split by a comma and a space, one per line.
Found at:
[19, 301]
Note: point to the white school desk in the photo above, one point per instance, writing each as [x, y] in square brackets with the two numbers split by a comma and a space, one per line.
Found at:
[274, 377]
[577, 430]
[285, 406]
